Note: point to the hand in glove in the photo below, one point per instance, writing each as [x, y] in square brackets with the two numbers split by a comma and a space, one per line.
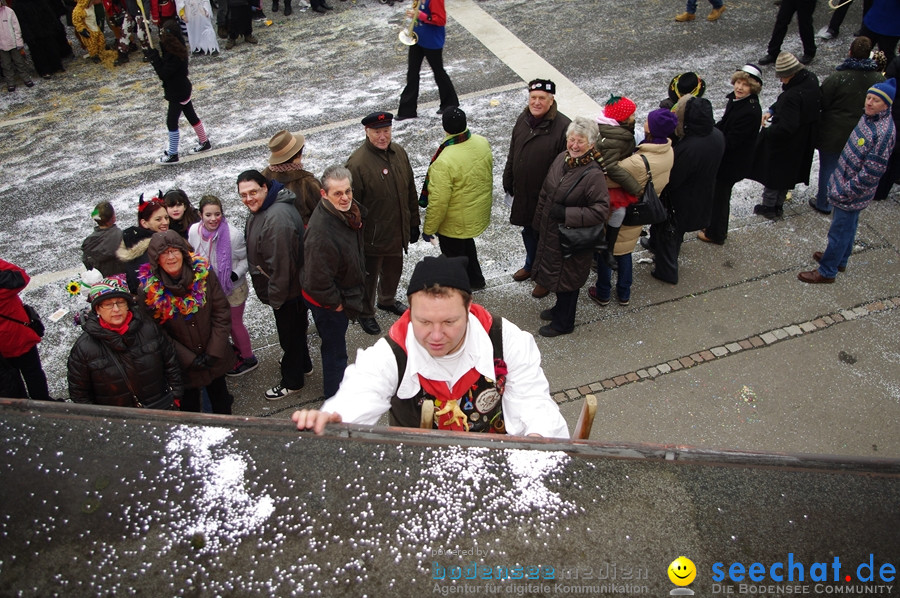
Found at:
[234, 276]
[151, 53]
[427, 238]
[558, 212]
[413, 234]
[203, 362]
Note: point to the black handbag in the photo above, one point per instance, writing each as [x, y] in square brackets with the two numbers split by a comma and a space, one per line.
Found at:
[574, 240]
[34, 320]
[648, 209]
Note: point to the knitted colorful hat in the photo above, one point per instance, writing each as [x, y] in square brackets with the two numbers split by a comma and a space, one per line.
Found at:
[542, 85]
[619, 108]
[787, 65]
[109, 288]
[886, 91]
[688, 83]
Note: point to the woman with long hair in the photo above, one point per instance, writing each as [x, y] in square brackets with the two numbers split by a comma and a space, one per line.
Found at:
[182, 215]
[225, 248]
[172, 68]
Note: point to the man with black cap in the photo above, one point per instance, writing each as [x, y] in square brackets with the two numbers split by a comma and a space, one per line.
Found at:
[482, 373]
[458, 191]
[538, 136]
[383, 182]
[784, 147]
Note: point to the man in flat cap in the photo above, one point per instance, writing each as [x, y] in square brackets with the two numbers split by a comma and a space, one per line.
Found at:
[538, 136]
[383, 182]
[481, 372]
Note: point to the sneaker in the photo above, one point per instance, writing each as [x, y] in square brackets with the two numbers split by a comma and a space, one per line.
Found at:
[624, 302]
[250, 39]
[807, 58]
[168, 158]
[279, 392]
[685, 16]
[715, 13]
[770, 212]
[29, 84]
[230, 44]
[592, 293]
[11, 88]
[767, 59]
[243, 366]
[825, 33]
[200, 147]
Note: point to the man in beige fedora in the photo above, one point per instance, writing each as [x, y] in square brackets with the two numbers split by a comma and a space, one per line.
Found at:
[383, 182]
[286, 167]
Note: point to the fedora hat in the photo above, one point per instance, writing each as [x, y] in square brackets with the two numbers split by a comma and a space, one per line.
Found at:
[284, 145]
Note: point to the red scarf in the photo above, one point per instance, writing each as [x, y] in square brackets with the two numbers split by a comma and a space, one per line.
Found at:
[117, 329]
[451, 418]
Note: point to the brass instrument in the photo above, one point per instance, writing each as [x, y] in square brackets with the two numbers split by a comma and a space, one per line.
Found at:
[407, 36]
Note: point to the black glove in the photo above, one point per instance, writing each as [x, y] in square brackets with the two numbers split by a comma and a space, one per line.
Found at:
[202, 362]
[84, 33]
[558, 212]
[150, 52]
[234, 277]
[413, 234]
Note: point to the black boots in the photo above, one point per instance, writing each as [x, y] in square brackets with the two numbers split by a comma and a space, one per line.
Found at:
[275, 5]
[287, 8]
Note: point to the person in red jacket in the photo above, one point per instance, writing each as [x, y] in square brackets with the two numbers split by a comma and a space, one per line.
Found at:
[18, 342]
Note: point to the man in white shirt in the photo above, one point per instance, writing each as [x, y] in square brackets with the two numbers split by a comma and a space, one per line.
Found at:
[482, 375]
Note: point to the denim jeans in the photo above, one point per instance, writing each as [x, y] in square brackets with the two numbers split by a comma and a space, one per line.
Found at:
[828, 162]
[530, 240]
[840, 241]
[692, 5]
[332, 328]
[623, 281]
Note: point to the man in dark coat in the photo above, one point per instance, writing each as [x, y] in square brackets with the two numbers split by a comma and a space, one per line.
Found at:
[384, 184]
[334, 273]
[784, 148]
[843, 98]
[689, 193]
[274, 233]
[538, 136]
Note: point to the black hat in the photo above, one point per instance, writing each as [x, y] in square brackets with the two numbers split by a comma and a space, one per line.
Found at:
[688, 83]
[442, 270]
[454, 121]
[542, 85]
[378, 120]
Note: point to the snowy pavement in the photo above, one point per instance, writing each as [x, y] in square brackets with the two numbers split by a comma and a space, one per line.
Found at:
[94, 133]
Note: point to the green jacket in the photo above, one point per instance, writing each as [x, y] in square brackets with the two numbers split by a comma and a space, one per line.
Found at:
[843, 101]
[460, 190]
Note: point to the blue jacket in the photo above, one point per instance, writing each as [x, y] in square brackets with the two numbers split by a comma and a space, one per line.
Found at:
[430, 26]
[863, 162]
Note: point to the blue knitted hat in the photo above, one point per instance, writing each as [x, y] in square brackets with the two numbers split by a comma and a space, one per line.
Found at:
[886, 91]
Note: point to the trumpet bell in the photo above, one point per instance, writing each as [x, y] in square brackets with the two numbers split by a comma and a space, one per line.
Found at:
[408, 38]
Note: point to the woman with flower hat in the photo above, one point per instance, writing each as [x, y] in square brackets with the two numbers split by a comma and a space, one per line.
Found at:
[184, 297]
[122, 358]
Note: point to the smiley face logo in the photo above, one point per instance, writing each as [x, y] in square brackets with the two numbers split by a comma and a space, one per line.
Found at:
[682, 571]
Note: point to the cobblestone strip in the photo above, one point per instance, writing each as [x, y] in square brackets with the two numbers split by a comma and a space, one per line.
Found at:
[762, 339]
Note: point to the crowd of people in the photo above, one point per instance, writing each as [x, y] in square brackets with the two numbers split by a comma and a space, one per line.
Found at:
[174, 286]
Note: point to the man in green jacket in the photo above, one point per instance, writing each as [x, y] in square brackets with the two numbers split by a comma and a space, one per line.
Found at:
[457, 192]
[383, 182]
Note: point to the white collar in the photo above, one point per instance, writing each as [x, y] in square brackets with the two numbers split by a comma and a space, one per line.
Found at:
[478, 353]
